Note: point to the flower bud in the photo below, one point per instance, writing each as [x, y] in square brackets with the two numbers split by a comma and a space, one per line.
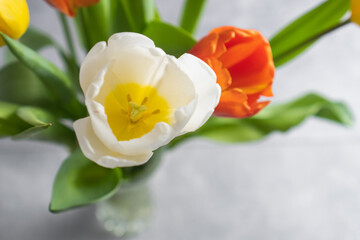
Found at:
[243, 63]
[14, 18]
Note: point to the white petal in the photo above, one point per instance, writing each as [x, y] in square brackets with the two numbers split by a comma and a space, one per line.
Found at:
[175, 85]
[94, 88]
[162, 133]
[93, 148]
[138, 65]
[206, 88]
[128, 39]
[135, 65]
[95, 60]
[100, 125]
[100, 55]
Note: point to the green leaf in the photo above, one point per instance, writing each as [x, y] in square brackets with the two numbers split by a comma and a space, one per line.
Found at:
[56, 82]
[21, 86]
[94, 23]
[39, 120]
[98, 22]
[45, 127]
[14, 122]
[10, 123]
[121, 17]
[80, 181]
[34, 123]
[35, 116]
[137, 13]
[19, 122]
[274, 118]
[150, 11]
[173, 40]
[52, 77]
[321, 18]
[36, 39]
[192, 12]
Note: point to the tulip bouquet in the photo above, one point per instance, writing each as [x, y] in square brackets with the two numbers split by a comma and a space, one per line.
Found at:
[145, 86]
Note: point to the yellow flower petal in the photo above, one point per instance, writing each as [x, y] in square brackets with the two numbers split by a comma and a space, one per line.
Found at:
[14, 18]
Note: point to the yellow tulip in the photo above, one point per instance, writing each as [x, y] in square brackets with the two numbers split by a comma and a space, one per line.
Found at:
[14, 18]
[355, 11]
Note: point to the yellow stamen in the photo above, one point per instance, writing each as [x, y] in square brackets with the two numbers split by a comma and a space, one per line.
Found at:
[136, 112]
[133, 110]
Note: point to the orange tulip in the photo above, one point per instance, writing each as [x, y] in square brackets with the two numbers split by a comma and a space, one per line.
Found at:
[69, 7]
[243, 63]
[355, 11]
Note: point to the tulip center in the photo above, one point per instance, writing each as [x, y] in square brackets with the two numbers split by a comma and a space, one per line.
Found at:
[136, 112]
[133, 110]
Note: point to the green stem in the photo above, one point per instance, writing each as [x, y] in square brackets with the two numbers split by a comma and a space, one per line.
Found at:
[310, 40]
[69, 40]
[82, 30]
[192, 11]
[132, 174]
[128, 15]
[70, 57]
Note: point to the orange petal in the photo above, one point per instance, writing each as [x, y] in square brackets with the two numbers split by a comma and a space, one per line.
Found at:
[223, 77]
[233, 103]
[206, 47]
[243, 36]
[254, 104]
[224, 37]
[355, 11]
[237, 104]
[254, 71]
[268, 91]
[65, 6]
[238, 53]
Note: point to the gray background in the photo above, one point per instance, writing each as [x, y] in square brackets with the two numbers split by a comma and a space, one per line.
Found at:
[300, 185]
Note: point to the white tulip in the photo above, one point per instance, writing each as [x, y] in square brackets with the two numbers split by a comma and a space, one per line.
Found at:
[139, 99]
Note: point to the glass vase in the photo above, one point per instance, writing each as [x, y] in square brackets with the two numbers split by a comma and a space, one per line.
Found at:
[129, 211]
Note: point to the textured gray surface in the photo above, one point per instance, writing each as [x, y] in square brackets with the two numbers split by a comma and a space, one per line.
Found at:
[301, 185]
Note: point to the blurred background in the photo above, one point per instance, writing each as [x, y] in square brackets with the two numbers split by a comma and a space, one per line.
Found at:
[304, 184]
